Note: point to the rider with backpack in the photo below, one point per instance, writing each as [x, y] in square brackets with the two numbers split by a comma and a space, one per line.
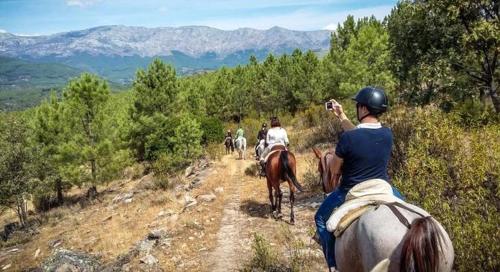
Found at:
[363, 153]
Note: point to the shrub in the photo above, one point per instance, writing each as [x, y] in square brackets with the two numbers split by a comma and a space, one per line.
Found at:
[311, 178]
[315, 126]
[252, 127]
[167, 164]
[473, 113]
[162, 182]
[214, 151]
[213, 130]
[299, 257]
[453, 173]
[252, 170]
[264, 258]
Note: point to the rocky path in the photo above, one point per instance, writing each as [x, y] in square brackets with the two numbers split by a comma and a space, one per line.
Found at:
[226, 256]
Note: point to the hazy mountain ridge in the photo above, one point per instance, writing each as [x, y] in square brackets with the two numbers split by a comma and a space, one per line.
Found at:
[32, 65]
[193, 41]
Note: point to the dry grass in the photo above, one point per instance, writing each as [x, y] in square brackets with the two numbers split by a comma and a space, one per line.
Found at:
[109, 230]
[102, 228]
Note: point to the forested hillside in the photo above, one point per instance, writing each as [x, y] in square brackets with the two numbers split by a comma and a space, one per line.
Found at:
[437, 60]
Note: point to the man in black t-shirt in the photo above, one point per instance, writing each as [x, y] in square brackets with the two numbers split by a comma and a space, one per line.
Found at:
[362, 153]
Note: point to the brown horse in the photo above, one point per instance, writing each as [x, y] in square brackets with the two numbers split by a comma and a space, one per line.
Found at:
[325, 170]
[228, 142]
[281, 166]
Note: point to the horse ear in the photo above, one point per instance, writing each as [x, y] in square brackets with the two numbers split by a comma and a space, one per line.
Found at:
[317, 152]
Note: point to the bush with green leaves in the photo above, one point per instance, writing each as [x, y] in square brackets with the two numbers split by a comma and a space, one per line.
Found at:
[213, 130]
[16, 159]
[454, 173]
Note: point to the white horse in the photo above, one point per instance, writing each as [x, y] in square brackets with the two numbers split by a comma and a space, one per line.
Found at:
[241, 146]
[259, 148]
[380, 241]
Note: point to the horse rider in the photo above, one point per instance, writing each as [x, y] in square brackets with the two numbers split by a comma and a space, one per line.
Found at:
[362, 153]
[229, 138]
[276, 135]
[239, 133]
[261, 139]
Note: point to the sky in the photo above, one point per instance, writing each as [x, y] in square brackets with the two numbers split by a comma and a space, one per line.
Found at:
[42, 17]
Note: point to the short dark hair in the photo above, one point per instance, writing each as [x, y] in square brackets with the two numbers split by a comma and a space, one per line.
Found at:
[275, 122]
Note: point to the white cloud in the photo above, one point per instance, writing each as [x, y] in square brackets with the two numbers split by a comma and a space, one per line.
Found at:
[82, 3]
[27, 35]
[298, 20]
[3, 31]
[379, 12]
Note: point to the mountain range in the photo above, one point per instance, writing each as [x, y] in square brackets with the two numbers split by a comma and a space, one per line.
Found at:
[116, 52]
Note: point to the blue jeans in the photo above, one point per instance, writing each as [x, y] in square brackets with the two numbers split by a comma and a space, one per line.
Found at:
[327, 239]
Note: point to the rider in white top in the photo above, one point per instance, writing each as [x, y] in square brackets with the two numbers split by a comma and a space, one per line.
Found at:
[275, 136]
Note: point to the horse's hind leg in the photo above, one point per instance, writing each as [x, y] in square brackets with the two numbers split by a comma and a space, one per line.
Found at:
[279, 197]
[270, 189]
[292, 200]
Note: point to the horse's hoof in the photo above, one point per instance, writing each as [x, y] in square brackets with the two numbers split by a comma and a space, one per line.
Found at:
[292, 222]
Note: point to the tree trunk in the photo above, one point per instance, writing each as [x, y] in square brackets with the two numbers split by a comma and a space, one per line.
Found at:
[494, 96]
[59, 191]
[22, 211]
[92, 192]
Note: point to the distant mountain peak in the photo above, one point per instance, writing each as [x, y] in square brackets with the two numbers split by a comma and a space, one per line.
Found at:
[194, 41]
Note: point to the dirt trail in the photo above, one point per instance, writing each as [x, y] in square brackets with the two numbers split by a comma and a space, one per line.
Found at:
[246, 212]
[226, 255]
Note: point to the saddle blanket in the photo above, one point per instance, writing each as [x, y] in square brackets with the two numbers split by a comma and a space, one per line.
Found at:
[359, 199]
[275, 149]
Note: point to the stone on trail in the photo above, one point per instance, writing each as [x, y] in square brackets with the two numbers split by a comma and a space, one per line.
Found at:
[146, 245]
[189, 201]
[189, 171]
[164, 213]
[219, 190]
[157, 234]
[126, 198]
[37, 252]
[67, 260]
[207, 198]
[149, 260]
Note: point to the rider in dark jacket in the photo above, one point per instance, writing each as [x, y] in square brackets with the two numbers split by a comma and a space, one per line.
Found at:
[261, 140]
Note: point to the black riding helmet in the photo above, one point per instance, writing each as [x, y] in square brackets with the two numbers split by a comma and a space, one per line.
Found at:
[374, 99]
[264, 125]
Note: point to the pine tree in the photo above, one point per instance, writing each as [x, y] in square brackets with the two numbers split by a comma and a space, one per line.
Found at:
[155, 92]
[86, 97]
[50, 132]
[188, 138]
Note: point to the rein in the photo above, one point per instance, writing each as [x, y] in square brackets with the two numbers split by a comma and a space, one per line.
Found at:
[392, 206]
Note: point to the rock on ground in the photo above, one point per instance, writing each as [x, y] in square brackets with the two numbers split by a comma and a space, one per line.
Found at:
[149, 260]
[207, 198]
[67, 260]
[189, 201]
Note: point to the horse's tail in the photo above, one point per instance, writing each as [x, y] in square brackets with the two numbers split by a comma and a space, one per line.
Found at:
[288, 171]
[421, 245]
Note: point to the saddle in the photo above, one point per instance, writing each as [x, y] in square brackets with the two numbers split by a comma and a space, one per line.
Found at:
[366, 196]
[275, 149]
